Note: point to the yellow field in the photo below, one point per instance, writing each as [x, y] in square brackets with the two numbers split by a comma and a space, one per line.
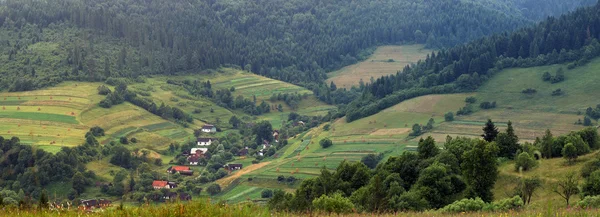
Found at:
[379, 64]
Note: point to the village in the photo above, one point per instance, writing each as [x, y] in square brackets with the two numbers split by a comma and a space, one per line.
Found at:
[195, 158]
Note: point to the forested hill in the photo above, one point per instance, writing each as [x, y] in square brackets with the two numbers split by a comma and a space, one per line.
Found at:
[569, 38]
[45, 42]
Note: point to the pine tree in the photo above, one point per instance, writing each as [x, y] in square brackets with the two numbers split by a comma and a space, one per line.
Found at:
[490, 131]
[508, 142]
[546, 144]
[43, 203]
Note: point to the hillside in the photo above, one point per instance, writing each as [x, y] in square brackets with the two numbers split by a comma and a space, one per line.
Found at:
[291, 41]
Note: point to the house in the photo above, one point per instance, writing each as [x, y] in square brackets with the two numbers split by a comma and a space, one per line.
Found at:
[205, 141]
[276, 135]
[94, 203]
[194, 159]
[243, 152]
[177, 169]
[266, 145]
[232, 167]
[198, 151]
[208, 128]
[158, 184]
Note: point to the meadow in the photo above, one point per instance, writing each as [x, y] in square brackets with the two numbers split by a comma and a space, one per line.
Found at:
[387, 132]
[385, 60]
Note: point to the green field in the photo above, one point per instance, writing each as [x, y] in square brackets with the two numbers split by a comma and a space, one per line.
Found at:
[387, 132]
[531, 114]
[246, 84]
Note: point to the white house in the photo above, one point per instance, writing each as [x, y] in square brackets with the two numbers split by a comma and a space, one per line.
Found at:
[209, 128]
[197, 151]
[205, 141]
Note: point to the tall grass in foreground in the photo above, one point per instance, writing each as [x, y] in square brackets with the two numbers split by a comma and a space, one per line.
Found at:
[206, 208]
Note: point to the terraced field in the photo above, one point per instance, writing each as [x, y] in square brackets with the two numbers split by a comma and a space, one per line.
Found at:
[60, 116]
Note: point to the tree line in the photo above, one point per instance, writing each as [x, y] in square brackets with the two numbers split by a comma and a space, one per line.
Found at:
[294, 41]
[456, 178]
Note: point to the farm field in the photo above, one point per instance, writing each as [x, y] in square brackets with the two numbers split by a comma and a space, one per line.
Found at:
[532, 114]
[245, 84]
[60, 116]
[385, 60]
[387, 132]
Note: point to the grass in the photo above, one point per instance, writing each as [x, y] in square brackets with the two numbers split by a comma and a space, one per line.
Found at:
[207, 208]
[379, 64]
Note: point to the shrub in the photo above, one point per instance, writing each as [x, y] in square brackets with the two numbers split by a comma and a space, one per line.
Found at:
[470, 100]
[546, 76]
[557, 92]
[123, 140]
[449, 116]
[103, 90]
[213, 189]
[529, 91]
[267, 193]
[336, 203]
[465, 205]
[525, 162]
[467, 110]
[134, 140]
[326, 143]
[487, 105]
[589, 202]
[513, 203]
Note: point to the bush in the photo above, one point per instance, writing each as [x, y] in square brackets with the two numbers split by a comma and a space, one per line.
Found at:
[326, 143]
[487, 105]
[513, 203]
[529, 91]
[557, 92]
[134, 140]
[267, 193]
[103, 90]
[465, 205]
[449, 116]
[336, 203]
[123, 140]
[213, 189]
[589, 202]
[467, 110]
[470, 100]
[525, 162]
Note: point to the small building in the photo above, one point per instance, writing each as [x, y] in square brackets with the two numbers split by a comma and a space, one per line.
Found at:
[276, 135]
[205, 141]
[233, 167]
[193, 160]
[94, 203]
[158, 184]
[177, 169]
[243, 152]
[200, 152]
[209, 128]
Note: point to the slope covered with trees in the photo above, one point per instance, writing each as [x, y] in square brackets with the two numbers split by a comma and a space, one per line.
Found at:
[295, 41]
[569, 38]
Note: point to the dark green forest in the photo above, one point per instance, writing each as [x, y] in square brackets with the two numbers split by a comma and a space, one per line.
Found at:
[45, 42]
[569, 38]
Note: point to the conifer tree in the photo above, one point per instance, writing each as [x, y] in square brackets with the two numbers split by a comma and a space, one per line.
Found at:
[490, 131]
